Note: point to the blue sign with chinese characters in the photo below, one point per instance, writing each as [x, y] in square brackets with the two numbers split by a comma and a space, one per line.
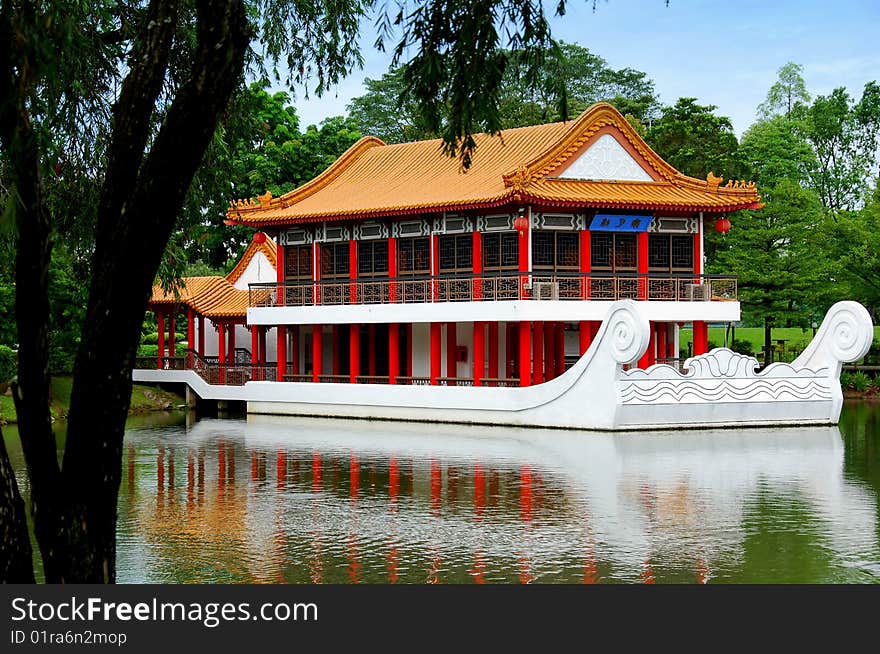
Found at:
[612, 222]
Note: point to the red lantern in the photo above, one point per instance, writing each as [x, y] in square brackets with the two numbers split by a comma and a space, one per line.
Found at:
[259, 237]
[722, 225]
[521, 224]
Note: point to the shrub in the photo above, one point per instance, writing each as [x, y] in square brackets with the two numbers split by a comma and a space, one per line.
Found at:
[860, 381]
[8, 364]
[741, 346]
[846, 380]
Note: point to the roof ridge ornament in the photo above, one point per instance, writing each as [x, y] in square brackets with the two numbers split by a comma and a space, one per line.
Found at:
[712, 181]
[519, 179]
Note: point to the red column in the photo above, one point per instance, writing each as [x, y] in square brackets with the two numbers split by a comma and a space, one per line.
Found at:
[509, 348]
[294, 349]
[201, 335]
[523, 251]
[701, 337]
[477, 258]
[255, 345]
[392, 268]
[538, 353]
[393, 352]
[190, 334]
[279, 271]
[642, 263]
[409, 349]
[371, 350]
[281, 351]
[584, 336]
[549, 350]
[698, 259]
[560, 348]
[662, 339]
[525, 353]
[479, 348]
[586, 256]
[435, 352]
[172, 328]
[231, 351]
[354, 352]
[645, 361]
[160, 318]
[493, 350]
[221, 350]
[352, 271]
[317, 352]
[335, 345]
[435, 266]
[262, 344]
[451, 344]
[316, 271]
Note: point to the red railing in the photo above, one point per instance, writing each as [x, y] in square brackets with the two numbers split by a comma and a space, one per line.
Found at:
[487, 288]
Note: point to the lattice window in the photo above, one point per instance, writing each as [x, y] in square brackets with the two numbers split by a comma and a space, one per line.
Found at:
[682, 253]
[372, 258]
[335, 260]
[543, 250]
[601, 247]
[456, 253]
[625, 252]
[298, 262]
[500, 251]
[414, 256]
[658, 252]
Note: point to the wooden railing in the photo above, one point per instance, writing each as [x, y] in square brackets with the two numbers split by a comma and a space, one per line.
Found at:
[488, 288]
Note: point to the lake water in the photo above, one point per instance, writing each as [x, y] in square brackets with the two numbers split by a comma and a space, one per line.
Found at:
[267, 499]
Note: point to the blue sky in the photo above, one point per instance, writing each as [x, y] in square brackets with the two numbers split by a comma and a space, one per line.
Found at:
[723, 53]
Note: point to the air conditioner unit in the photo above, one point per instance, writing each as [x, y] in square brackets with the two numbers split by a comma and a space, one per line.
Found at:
[546, 291]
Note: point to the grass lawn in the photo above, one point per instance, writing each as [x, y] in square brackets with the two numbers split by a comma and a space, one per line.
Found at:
[143, 398]
[796, 338]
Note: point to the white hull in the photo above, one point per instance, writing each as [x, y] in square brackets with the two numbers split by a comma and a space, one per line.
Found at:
[720, 389]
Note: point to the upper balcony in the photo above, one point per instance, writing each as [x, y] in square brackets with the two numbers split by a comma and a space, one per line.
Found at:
[488, 288]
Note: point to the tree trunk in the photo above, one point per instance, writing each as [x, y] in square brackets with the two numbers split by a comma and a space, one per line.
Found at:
[16, 557]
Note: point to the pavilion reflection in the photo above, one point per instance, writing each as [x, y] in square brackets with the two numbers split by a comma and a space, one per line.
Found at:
[360, 502]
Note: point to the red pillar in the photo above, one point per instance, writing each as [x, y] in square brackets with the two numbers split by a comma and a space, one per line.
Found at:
[231, 350]
[316, 271]
[479, 349]
[393, 352]
[648, 359]
[255, 345]
[560, 348]
[160, 317]
[294, 349]
[698, 259]
[317, 352]
[335, 345]
[371, 350]
[354, 352]
[190, 333]
[584, 336]
[549, 350]
[538, 353]
[221, 350]
[201, 335]
[451, 344]
[701, 337]
[435, 266]
[281, 351]
[477, 259]
[435, 352]
[493, 350]
[525, 353]
[509, 349]
[642, 263]
[279, 271]
[585, 255]
[172, 329]
[262, 344]
[392, 268]
[352, 271]
[662, 339]
[409, 349]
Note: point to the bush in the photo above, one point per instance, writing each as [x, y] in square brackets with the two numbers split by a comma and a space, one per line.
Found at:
[741, 346]
[8, 364]
[846, 380]
[860, 381]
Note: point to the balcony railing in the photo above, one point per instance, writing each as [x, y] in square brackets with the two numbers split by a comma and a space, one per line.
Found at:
[488, 288]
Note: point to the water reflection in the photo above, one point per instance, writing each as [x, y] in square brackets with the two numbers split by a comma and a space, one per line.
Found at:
[298, 500]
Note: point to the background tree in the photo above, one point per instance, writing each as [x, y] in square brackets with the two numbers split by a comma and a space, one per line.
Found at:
[150, 84]
[696, 141]
[789, 91]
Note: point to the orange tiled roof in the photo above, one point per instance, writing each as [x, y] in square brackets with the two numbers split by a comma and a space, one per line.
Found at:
[212, 297]
[374, 179]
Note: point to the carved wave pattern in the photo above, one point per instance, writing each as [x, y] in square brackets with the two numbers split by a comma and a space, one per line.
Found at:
[661, 392]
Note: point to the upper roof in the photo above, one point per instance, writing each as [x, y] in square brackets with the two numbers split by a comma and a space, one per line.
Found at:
[543, 164]
[217, 297]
